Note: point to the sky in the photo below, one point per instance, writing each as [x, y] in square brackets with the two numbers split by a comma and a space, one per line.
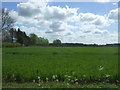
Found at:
[71, 22]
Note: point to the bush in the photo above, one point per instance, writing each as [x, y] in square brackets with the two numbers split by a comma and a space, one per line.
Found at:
[8, 44]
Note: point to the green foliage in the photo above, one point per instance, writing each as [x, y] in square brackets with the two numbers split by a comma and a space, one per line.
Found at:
[57, 42]
[35, 40]
[22, 37]
[8, 44]
[69, 64]
[43, 42]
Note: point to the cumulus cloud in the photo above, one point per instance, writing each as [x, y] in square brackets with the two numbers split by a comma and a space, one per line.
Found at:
[87, 17]
[63, 23]
[43, 15]
[93, 19]
[31, 8]
[113, 14]
[26, 10]
[45, 11]
[56, 26]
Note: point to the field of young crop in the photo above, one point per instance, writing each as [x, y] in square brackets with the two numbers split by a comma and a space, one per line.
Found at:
[60, 64]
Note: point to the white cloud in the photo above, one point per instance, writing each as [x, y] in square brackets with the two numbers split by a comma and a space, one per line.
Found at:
[43, 15]
[31, 8]
[93, 19]
[65, 23]
[114, 3]
[56, 26]
[95, 36]
[113, 14]
[103, 0]
[88, 17]
[27, 10]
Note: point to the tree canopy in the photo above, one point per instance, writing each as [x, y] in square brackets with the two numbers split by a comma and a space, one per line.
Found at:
[57, 42]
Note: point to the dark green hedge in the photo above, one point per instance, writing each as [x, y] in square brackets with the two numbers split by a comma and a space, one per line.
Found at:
[8, 44]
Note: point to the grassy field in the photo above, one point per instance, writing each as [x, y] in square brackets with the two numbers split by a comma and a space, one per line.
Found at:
[73, 65]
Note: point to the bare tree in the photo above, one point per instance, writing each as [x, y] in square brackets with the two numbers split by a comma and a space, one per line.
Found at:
[6, 23]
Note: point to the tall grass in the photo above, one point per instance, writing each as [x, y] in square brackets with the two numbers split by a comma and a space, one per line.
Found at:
[69, 64]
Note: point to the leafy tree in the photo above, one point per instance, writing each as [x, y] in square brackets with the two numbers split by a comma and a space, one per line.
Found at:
[26, 39]
[44, 42]
[34, 39]
[57, 42]
[22, 38]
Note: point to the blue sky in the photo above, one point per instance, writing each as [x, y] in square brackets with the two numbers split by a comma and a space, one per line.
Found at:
[85, 7]
[96, 11]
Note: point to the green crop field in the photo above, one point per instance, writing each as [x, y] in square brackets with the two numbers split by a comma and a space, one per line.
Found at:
[74, 65]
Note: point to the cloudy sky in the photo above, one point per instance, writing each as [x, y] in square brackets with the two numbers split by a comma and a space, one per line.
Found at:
[71, 22]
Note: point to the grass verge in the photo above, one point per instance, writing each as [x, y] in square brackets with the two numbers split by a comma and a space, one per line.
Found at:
[58, 85]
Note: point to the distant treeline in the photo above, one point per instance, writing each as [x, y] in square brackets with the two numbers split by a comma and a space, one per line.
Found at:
[8, 44]
[82, 45]
[17, 38]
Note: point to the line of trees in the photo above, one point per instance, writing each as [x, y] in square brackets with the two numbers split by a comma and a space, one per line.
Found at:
[17, 36]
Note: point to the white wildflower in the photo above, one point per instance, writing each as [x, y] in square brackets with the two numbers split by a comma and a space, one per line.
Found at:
[57, 80]
[53, 76]
[65, 75]
[69, 76]
[76, 82]
[76, 79]
[47, 79]
[107, 75]
[117, 81]
[101, 68]
[68, 79]
[39, 84]
[84, 75]
[33, 81]
[68, 84]
[38, 77]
